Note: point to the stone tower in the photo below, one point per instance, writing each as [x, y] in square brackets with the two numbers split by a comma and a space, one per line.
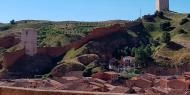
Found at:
[29, 41]
[162, 5]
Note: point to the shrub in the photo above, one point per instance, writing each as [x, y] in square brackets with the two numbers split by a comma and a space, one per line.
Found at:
[73, 53]
[148, 18]
[183, 21]
[166, 37]
[12, 22]
[87, 72]
[149, 27]
[97, 69]
[188, 15]
[181, 31]
[165, 26]
[159, 14]
[6, 27]
[128, 75]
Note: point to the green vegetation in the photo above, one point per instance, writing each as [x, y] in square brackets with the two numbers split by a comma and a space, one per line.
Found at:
[5, 27]
[143, 56]
[166, 37]
[165, 26]
[183, 21]
[163, 35]
[130, 74]
[92, 68]
[12, 22]
[188, 15]
[170, 28]
[73, 53]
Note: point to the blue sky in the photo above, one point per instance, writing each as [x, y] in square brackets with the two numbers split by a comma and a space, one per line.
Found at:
[82, 10]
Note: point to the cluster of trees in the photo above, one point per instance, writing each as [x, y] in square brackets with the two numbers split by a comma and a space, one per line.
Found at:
[142, 54]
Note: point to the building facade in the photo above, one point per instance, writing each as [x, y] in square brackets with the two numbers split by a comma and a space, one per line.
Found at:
[162, 5]
[29, 41]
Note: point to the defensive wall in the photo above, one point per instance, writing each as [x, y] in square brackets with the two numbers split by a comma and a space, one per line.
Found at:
[10, 58]
[8, 41]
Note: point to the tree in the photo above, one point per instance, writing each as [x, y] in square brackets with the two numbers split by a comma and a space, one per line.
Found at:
[87, 72]
[181, 31]
[140, 57]
[127, 51]
[143, 55]
[148, 50]
[12, 22]
[165, 26]
[166, 37]
[133, 51]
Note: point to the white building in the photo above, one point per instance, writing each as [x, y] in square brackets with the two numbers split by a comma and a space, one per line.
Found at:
[162, 5]
[29, 41]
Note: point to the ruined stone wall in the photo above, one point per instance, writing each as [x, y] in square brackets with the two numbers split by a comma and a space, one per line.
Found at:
[10, 58]
[8, 41]
[26, 91]
[52, 51]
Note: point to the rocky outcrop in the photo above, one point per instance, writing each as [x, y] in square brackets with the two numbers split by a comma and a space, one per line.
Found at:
[87, 58]
[65, 67]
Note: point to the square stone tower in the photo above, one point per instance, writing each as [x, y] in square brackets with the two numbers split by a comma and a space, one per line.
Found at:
[29, 41]
[162, 5]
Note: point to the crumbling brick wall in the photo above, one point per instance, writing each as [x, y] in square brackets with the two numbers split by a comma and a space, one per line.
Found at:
[8, 41]
[10, 58]
[57, 51]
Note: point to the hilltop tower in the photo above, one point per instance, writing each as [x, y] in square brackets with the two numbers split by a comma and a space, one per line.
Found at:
[29, 41]
[162, 5]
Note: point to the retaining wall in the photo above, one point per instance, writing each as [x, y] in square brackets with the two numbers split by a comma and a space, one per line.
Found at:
[27, 91]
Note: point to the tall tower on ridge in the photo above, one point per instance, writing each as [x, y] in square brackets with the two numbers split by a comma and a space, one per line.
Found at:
[162, 5]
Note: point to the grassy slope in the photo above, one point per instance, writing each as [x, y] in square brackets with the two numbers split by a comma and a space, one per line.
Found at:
[85, 27]
[168, 54]
[78, 29]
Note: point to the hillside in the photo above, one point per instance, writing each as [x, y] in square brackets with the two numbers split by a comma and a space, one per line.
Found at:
[144, 35]
[177, 52]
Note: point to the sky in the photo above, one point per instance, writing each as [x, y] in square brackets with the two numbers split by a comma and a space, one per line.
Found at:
[82, 10]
